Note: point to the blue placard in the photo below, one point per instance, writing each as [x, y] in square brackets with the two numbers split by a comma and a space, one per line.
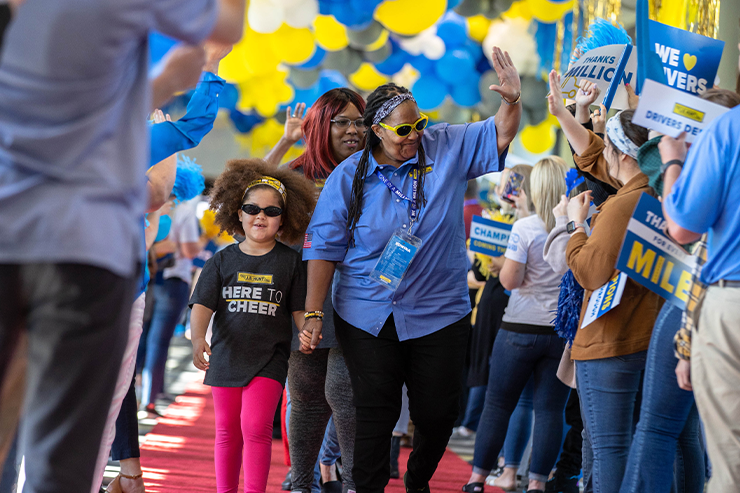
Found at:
[652, 259]
[489, 237]
[690, 61]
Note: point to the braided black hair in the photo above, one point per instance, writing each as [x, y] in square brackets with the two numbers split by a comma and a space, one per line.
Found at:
[376, 99]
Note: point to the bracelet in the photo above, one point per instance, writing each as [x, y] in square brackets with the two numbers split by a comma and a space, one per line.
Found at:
[664, 166]
[315, 314]
[516, 101]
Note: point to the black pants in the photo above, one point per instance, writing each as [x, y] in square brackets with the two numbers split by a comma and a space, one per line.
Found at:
[126, 443]
[569, 464]
[431, 367]
[76, 317]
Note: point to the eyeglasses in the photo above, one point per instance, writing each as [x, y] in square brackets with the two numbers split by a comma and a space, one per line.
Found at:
[346, 122]
[253, 210]
[405, 129]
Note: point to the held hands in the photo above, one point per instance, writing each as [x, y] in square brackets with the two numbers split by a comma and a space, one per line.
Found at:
[200, 346]
[578, 207]
[509, 87]
[310, 336]
[562, 208]
[159, 117]
[293, 122]
[671, 148]
[555, 98]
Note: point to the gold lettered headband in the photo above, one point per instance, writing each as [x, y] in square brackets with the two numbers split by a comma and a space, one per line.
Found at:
[270, 182]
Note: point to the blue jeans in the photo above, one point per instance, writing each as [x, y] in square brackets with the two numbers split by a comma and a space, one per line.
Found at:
[610, 391]
[476, 398]
[171, 299]
[515, 359]
[668, 418]
[520, 427]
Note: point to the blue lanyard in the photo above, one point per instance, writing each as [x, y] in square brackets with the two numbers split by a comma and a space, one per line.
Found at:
[414, 192]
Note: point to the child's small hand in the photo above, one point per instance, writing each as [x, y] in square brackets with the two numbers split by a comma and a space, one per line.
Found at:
[306, 338]
[200, 346]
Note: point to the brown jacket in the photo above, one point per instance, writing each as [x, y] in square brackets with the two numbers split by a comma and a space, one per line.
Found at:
[627, 328]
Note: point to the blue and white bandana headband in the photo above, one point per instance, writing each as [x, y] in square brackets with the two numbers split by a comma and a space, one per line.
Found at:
[616, 134]
[391, 105]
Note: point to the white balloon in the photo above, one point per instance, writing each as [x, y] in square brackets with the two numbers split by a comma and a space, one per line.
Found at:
[264, 16]
[286, 3]
[302, 14]
[434, 49]
[512, 35]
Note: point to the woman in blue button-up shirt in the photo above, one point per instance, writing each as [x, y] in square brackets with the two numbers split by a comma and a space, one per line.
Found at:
[416, 334]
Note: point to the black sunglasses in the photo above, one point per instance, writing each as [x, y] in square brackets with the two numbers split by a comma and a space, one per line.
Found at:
[253, 210]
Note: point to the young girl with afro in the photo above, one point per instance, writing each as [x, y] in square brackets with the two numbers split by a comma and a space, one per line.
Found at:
[251, 289]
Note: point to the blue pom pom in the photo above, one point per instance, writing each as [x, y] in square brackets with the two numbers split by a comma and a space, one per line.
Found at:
[189, 181]
[572, 180]
[570, 301]
[602, 33]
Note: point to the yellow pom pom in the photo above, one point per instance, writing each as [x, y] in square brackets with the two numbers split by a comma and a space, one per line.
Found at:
[291, 45]
[367, 78]
[409, 17]
[208, 223]
[330, 34]
[478, 27]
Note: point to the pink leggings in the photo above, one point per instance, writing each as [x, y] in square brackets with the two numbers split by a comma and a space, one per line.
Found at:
[244, 433]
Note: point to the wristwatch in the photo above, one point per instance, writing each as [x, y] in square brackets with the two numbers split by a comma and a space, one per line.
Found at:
[572, 226]
[664, 166]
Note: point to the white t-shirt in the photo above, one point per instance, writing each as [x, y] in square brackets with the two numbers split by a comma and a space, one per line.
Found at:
[184, 229]
[535, 302]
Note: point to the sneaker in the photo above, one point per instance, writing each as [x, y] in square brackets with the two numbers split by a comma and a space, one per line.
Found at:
[560, 484]
[463, 434]
[411, 488]
[474, 488]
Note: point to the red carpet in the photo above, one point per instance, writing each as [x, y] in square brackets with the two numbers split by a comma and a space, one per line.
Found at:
[177, 455]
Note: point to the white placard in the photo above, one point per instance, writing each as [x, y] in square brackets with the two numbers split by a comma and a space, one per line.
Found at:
[605, 298]
[599, 65]
[671, 111]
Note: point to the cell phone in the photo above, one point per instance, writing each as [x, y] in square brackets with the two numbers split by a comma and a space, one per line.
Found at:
[512, 187]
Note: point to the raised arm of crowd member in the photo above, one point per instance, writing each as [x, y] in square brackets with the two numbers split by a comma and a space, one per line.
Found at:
[293, 133]
[577, 136]
[181, 69]
[160, 181]
[510, 88]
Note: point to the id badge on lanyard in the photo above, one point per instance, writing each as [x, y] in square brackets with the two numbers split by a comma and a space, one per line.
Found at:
[402, 247]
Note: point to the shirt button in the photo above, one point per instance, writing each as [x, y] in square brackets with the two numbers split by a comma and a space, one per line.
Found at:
[404, 225]
[394, 302]
[395, 174]
[398, 200]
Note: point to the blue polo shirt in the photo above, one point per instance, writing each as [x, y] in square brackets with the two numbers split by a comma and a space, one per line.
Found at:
[706, 197]
[434, 292]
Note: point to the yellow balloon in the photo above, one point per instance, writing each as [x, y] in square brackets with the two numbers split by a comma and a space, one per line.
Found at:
[330, 34]
[409, 17]
[539, 138]
[378, 43]
[260, 59]
[246, 95]
[367, 78]
[549, 11]
[233, 67]
[292, 45]
[265, 136]
[519, 10]
[478, 27]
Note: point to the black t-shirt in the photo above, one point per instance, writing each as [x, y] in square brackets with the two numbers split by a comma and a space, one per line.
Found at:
[254, 298]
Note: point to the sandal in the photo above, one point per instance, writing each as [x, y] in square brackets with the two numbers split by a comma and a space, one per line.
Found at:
[115, 485]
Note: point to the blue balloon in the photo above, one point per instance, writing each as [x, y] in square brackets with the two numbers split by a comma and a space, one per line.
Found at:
[429, 92]
[159, 45]
[393, 63]
[331, 79]
[483, 65]
[423, 64]
[228, 97]
[244, 122]
[315, 60]
[367, 6]
[455, 66]
[354, 19]
[467, 93]
[308, 95]
[451, 4]
[474, 49]
[453, 30]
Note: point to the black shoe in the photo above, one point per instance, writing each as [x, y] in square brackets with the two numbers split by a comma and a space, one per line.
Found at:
[287, 484]
[331, 487]
[395, 452]
[410, 488]
[535, 491]
[560, 484]
[474, 487]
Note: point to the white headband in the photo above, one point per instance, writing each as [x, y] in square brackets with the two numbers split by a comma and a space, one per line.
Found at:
[616, 134]
[390, 105]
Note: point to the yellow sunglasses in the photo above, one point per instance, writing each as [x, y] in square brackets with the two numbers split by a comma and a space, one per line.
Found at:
[404, 129]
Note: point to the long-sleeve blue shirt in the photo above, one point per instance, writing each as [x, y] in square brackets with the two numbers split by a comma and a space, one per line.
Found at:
[170, 137]
[434, 291]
